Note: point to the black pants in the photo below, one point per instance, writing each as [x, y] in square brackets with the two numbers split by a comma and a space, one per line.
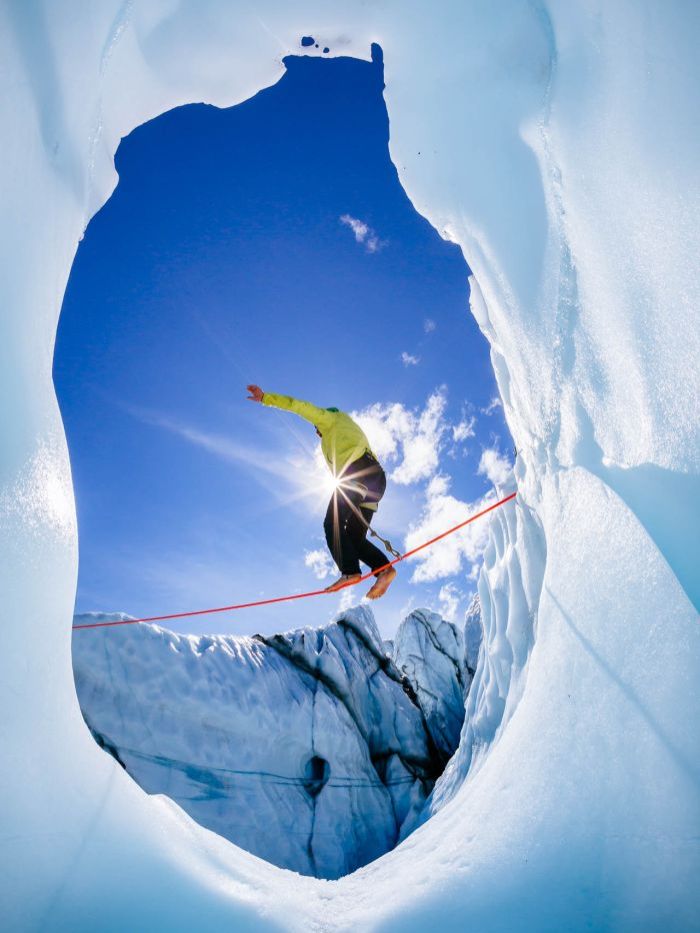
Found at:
[362, 485]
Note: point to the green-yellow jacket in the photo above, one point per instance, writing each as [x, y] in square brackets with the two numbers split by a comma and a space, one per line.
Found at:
[342, 441]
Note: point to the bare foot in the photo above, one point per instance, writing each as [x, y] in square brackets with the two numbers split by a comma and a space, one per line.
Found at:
[382, 583]
[346, 580]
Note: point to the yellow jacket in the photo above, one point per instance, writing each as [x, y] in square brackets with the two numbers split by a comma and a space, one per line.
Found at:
[342, 441]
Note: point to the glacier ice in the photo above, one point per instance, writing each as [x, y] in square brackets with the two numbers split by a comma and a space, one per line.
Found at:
[473, 636]
[429, 650]
[557, 146]
[309, 748]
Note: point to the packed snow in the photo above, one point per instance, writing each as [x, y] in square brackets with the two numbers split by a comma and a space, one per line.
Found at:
[310, 749]
[556, 143]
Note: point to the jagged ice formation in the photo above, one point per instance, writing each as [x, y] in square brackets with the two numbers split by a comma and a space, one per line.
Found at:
[429, 650]
[309, 749]
[557, 145]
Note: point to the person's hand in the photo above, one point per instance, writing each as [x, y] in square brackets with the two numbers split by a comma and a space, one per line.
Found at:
[256, 393]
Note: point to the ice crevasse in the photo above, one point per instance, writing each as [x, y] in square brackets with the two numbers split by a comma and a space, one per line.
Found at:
[556, 143]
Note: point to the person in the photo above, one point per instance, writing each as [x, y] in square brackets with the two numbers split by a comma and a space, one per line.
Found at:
[360, 484]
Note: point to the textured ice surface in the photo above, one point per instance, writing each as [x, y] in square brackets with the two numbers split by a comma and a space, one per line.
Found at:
[473, 636]
[556, 142]
[429, 650]
[308, 749]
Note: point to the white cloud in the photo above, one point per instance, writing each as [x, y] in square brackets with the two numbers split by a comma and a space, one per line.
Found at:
[492, 406]
[429, 325]
[349, 597]
[473, 574]
[495, 467]
[290, 476]
[411, 443]
[408, 359]
[363, 233]
[451, 598]
[463, 430]
[320, 562]
[447, 557]
[407, 439]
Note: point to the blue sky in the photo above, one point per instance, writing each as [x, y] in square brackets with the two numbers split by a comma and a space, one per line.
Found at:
[269, 243]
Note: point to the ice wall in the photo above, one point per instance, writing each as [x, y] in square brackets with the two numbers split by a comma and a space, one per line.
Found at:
[309, 749]
[556, 142]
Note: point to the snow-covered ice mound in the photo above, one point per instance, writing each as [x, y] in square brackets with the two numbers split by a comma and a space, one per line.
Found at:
[309, 749]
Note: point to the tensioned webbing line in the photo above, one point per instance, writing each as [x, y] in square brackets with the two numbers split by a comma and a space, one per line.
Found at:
[284, 599]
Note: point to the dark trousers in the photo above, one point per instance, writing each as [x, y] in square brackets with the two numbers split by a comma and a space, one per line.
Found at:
[363, 483]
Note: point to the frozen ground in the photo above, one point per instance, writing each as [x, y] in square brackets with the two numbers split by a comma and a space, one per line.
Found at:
[556, 142]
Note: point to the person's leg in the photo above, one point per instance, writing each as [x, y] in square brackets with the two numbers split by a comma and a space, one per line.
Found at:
[371, 555]
[358, 530]
[341, 542]
[375, 481]
[347, 524]
[364, 487]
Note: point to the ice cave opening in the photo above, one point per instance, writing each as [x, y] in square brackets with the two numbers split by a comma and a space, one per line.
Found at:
[572, 801]
[318, 749]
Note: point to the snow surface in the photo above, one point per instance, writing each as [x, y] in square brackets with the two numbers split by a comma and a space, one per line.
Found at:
[308, 749]
[556, 142]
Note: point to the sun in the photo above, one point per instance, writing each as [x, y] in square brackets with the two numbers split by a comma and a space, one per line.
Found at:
[330, 484]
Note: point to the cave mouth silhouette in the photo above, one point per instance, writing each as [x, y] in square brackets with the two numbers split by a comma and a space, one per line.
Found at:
[190, 268]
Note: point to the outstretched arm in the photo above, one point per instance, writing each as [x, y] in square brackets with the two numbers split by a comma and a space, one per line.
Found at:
[319, 417]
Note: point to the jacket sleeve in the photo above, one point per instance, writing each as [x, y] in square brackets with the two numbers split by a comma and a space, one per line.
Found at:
[319, 417]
